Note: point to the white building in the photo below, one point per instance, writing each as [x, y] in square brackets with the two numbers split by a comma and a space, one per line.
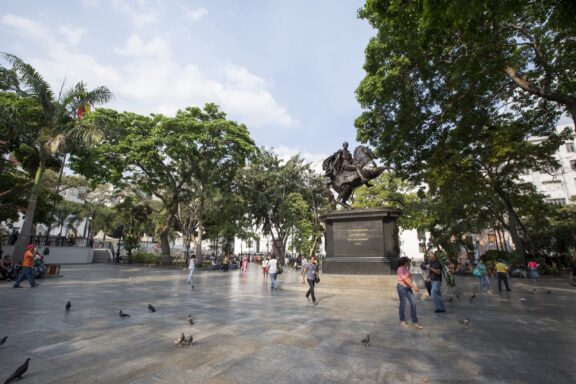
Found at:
[559, 186]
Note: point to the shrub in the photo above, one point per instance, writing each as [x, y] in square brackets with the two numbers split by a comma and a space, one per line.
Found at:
[145, 258]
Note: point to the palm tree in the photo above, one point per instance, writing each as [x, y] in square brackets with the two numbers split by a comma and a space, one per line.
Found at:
[56, 125]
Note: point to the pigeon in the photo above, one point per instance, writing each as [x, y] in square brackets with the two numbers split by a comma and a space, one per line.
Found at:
[190, 320]
[3, 340]
[68, 306]
[151, 308]
[190, 339]
[180, 339]
[17, 374]
[366, 340]
[122, 314]
[549, 292]
[471, 299]
[465, 321]
[451, 299]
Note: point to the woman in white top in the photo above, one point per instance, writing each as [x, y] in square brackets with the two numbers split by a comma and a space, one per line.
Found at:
[192, 268]
[272, 271]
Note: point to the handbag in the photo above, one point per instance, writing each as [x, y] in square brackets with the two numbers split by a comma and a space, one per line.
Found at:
[316, 278]
[476, 272]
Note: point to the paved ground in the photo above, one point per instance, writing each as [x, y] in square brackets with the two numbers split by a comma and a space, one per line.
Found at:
[244, 333]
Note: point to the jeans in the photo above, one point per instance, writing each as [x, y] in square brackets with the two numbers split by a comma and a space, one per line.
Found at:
[273, 280]
[437, 295]
[27, 273]
[191, 277]
[534, 274]
[310, 292]
[484, 283]
[502, 277]
[405, 293]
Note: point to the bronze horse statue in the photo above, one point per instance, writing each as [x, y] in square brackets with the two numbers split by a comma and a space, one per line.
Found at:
[347, 173]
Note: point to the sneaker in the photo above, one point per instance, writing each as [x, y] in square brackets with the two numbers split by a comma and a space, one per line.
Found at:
[403, 324]
[16, 286]
[315, 303]
[35, 285]
[417, 325]
[307, 298]
[439, 311]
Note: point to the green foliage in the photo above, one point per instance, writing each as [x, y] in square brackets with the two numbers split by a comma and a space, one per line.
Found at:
[145, 258]
[281, 196]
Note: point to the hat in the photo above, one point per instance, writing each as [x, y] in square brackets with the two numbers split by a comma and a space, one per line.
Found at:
[30, 246]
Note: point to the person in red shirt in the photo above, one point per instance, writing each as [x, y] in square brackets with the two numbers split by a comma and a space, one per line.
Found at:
[27, 267]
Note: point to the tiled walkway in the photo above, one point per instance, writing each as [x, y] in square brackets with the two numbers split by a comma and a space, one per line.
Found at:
[244, 333]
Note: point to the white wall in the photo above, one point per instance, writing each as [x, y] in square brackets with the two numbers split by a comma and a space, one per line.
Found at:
[62, 255]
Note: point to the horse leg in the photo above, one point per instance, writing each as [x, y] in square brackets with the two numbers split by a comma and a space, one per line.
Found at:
[345, 195]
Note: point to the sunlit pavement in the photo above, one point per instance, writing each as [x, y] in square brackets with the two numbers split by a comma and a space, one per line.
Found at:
[246, 333]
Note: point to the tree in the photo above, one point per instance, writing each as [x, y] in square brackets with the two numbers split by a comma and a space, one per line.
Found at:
[176, 160]
[54, 123]
[442, 107]
[279, 195]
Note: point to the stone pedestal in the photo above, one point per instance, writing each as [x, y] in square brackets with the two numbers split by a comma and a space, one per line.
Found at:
[361, 241]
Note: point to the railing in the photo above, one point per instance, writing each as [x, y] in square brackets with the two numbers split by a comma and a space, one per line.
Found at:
[52, 241]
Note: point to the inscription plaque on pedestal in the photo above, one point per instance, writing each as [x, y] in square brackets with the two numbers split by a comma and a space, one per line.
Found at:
[363, 241]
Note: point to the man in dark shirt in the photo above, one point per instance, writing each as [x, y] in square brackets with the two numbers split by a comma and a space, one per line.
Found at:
[435, 276]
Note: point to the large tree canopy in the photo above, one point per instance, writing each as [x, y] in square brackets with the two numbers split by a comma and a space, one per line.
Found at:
[436, 66]
[452, 93]
[177, 160]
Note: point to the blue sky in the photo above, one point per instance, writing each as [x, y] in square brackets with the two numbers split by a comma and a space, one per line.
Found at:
[286, 69]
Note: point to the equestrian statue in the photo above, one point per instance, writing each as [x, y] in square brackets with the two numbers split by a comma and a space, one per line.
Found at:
[347, 173]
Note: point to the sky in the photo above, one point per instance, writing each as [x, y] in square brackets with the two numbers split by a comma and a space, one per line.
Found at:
[288, 70]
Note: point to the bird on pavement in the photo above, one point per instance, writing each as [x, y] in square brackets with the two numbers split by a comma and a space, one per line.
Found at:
[3, 340]
[451, 299]
[122, 314]
[180, 340]
[18, 372]
[68, 305]
[190, 339]
[151, 308]
[465, 321]
[190, 320]
[366, 340]
[472, 297]
[549, 292]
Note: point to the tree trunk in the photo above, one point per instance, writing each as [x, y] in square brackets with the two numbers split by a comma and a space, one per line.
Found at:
[313, 247]
[199, 241]
[25, 231]
[165, 258]
[514, 224]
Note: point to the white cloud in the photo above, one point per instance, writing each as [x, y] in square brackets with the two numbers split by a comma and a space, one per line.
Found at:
[141, 12]
[91, 3]
[315, 159]
[195, 14]
[72, 34]
[138, 48]
[149, 78]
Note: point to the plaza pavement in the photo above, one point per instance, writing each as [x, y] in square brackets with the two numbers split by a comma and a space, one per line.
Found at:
[245, 333]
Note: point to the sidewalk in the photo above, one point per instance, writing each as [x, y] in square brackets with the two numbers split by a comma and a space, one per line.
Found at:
[246, 333]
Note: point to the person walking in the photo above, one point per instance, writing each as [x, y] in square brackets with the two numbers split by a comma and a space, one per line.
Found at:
[272, 272]
[435, 276]
[244, 263]
[533, 268]
[191, 268]
[502, 275]
[27, 265]
[311, 271]
[405, 293]
[484, 280]
[265, 263]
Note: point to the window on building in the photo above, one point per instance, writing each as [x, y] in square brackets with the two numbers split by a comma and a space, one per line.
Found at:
[556, 201]
[421, 234]
[422, 248]
[573, 165]
[569, 147]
